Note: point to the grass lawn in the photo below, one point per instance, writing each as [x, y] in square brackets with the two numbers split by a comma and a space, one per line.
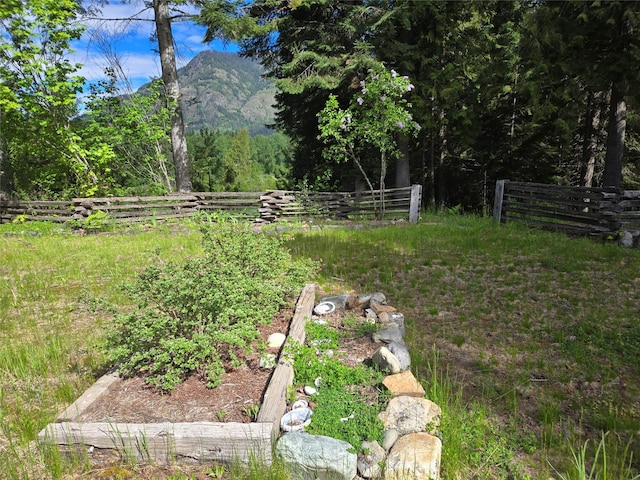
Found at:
[530, 341]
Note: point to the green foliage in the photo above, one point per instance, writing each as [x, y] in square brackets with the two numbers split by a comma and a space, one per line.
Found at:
[377, 113]
[346, 414]
[201, 316]
[348, 399]
[43, 153]
[237, 162]
[135, 127]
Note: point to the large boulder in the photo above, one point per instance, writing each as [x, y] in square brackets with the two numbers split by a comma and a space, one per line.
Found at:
[414, 457]
[410, 415]
[316, 457]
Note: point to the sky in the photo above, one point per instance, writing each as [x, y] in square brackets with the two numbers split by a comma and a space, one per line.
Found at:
[132, 43]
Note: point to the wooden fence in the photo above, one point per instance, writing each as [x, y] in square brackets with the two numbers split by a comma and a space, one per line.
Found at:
[261, 207]
[575, 210]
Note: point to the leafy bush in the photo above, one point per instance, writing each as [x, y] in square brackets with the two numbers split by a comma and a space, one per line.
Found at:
[201, 316]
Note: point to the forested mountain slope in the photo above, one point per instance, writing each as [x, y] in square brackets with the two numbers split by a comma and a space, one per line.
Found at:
[223, 91]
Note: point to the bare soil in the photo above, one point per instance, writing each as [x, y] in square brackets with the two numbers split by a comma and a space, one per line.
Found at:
[241, 390]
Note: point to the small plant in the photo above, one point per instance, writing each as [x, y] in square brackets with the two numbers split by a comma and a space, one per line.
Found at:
[97, 221]
[251, 411]
[221, 414]
[217, 471]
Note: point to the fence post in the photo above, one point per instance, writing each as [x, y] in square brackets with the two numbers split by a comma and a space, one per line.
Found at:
[414, 205]
[497, 201]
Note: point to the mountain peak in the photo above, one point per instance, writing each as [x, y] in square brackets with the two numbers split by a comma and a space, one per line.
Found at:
[226, 92]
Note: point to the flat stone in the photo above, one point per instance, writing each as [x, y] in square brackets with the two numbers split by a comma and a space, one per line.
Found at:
[378, 308]
[387, 334]
[340, 301]
[316, 457]
[414, 457]
[411, 415]
[404, 383]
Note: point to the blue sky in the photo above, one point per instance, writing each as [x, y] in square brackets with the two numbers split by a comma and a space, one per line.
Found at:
[132, 44]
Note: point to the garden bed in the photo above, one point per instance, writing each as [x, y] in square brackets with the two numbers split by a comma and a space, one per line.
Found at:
[181, 428]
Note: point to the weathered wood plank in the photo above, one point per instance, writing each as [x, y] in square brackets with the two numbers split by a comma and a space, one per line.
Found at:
[88, 398]
[274, 401]
[165, 443]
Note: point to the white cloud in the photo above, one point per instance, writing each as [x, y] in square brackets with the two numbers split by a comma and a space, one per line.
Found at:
[113, 36]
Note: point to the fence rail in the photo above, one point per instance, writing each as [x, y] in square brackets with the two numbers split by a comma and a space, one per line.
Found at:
[577, 210]
[262, 207]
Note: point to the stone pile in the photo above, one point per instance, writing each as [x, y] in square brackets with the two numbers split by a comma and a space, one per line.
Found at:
[410, 449]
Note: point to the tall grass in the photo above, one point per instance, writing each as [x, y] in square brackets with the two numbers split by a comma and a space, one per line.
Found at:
[528, 340]
[53, 288]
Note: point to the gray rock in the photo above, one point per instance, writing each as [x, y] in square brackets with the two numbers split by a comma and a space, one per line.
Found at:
[379, 298]
[316, 457]
[389, 439]
[369, 462]
[414, 457]
[370, 314]
[410, 415]
[401, 352]
[386, 361]
[340, 301]
[397, 318]
[389, 333]
[364, 300]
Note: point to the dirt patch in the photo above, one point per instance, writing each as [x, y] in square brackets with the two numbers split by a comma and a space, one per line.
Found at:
[236, 399]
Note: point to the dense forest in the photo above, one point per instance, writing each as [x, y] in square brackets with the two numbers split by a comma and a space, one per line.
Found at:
[526, 90]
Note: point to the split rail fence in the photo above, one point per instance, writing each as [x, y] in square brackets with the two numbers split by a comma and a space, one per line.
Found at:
[603, 212]
[261, 207]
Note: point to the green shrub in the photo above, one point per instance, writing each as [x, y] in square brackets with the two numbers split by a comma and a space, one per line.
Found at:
[201, 315]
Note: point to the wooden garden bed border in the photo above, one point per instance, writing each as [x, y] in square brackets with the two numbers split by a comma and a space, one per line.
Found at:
[189, 442]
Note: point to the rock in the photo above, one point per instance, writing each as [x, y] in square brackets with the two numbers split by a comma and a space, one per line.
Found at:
[369, 462]
[401, 352]
[380, 308]
[364, 300]
[394, 318]
[404, 383]
[340, 301]
[386, 361]
[387, 334]
[308, 390]
[370, 314]
[276, 340]
[389, 439]
[378, 298]
[410, 415]
[311, 457]
[414, 457]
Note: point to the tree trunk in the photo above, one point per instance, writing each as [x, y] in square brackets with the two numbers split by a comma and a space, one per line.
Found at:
[170, 80]
[591, 125]
[612, 176]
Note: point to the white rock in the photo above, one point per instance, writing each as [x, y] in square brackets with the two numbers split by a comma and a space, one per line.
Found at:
[276, 340]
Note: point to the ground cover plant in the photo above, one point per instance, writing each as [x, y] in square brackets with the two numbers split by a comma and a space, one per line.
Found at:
[349, 396]
[528, 340]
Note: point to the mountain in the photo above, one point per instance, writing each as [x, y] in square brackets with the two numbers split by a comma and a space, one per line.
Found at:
[223, 91]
